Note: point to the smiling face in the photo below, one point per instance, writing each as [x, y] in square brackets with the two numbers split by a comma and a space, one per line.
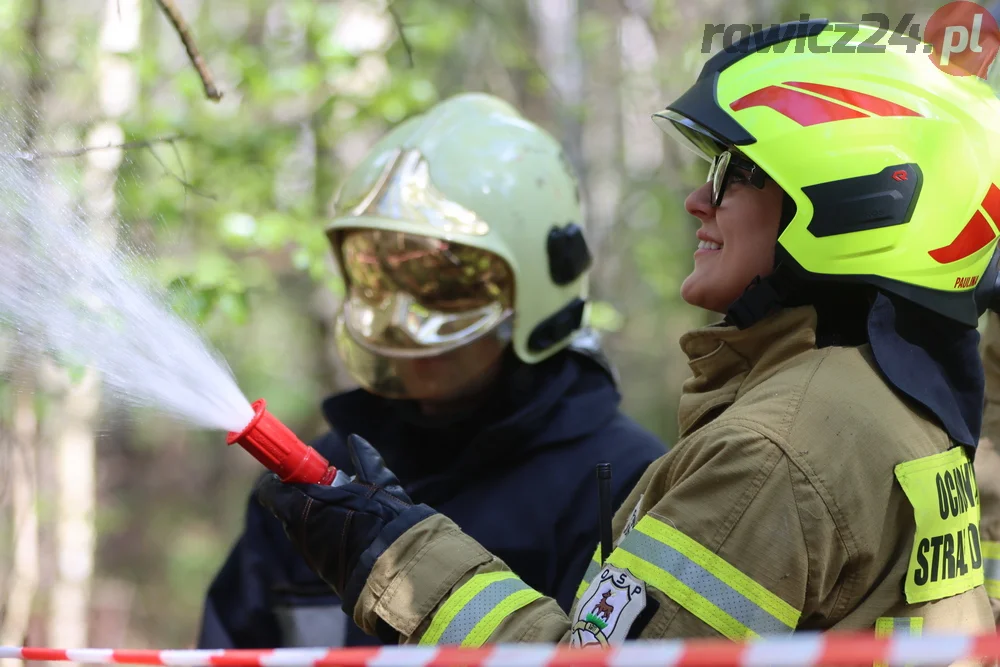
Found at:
[735, 241]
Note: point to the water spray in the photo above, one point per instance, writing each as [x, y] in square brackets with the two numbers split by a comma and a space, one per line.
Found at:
[280, 451]
[80, 301]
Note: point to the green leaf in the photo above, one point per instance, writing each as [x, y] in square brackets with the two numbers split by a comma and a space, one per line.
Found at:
[234, 305]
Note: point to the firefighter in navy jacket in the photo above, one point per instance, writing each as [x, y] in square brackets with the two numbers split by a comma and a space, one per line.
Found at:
[460, 241]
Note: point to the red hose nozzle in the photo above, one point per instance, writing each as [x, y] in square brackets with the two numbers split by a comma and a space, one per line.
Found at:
[273, 444]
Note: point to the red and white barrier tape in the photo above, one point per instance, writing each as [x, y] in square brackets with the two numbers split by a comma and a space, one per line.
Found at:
[801, 650]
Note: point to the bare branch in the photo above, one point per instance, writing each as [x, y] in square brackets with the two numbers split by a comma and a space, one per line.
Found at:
[181, 26]
[402, 33]
[187, 186]
[184, 174]
[76, 152]
[145, 143]
[180, 160]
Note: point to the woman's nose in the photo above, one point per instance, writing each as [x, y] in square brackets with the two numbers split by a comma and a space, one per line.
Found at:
[699, 202]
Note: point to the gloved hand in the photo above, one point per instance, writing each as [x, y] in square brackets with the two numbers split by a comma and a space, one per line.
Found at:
[341, 531]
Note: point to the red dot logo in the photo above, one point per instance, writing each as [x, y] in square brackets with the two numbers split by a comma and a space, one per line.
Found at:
[965, 38]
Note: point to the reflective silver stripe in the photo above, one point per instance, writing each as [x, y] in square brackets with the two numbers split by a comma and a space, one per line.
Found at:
[476, 609]
[703, 582]
[905, 625]
[592, 569]
[312, 626]
[991, 569]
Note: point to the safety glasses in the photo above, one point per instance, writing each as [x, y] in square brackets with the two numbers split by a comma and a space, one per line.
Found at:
[726, 167]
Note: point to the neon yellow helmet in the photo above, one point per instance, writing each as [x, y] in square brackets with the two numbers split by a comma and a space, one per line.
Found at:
[498, 189]
[891, 162]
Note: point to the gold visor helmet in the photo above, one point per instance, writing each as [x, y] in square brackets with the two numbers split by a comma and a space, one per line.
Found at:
[455, 219]
[423, 318]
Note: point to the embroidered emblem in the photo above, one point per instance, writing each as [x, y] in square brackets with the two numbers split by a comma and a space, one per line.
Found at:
[608, 608]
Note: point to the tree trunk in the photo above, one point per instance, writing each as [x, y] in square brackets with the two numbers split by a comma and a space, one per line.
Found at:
[557, 29]
[74, 419]
[22, 581]
[72, 432]
[602, 148]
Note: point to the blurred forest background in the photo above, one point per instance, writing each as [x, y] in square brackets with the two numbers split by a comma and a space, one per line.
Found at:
[113, 522]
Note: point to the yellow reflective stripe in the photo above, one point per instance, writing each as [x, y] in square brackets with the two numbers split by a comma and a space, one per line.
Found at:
[702, 582]
[489, 623]
[715, 564]
[592, 569]
[888, 626]
[991, 549]
[457, 601]
[474, 611]
[682, 595]
[991, 568]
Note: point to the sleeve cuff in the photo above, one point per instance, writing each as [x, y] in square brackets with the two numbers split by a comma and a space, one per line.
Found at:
[414, 574]
[385, 539]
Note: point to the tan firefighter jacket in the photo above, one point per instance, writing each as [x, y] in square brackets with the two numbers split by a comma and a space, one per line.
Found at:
[802, 494]
[988, 462]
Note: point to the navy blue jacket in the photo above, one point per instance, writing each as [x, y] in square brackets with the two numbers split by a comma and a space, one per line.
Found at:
[519, 477]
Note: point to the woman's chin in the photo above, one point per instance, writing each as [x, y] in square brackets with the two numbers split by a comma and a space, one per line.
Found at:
[693, 291]
[698, 291]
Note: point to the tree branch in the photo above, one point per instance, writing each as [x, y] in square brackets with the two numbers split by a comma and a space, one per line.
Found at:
[184, 32]
[402, 33]
[182, 181]
[145, 143]
[76, 152]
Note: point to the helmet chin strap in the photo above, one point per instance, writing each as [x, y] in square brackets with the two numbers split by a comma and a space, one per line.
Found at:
[766, 296]
[763, 297]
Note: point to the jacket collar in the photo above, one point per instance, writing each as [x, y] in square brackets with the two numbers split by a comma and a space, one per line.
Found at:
[726, 361]
[561, 399]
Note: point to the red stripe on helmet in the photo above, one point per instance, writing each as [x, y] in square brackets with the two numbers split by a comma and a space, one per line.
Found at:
[975, 236]
[991, 204]
[869, 103]
[801, 107]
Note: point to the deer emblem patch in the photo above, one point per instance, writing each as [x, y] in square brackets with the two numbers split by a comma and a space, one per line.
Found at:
[608, 609]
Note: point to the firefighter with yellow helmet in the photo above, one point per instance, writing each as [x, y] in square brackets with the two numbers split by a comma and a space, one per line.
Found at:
[823, 478]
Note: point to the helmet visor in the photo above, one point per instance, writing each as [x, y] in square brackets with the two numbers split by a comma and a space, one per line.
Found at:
[439, 275]
[444, 375]
[418, 295]
[423, 318]
[693, 136]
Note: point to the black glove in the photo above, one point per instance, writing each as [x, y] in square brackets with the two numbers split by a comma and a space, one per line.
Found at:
[341, 531]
